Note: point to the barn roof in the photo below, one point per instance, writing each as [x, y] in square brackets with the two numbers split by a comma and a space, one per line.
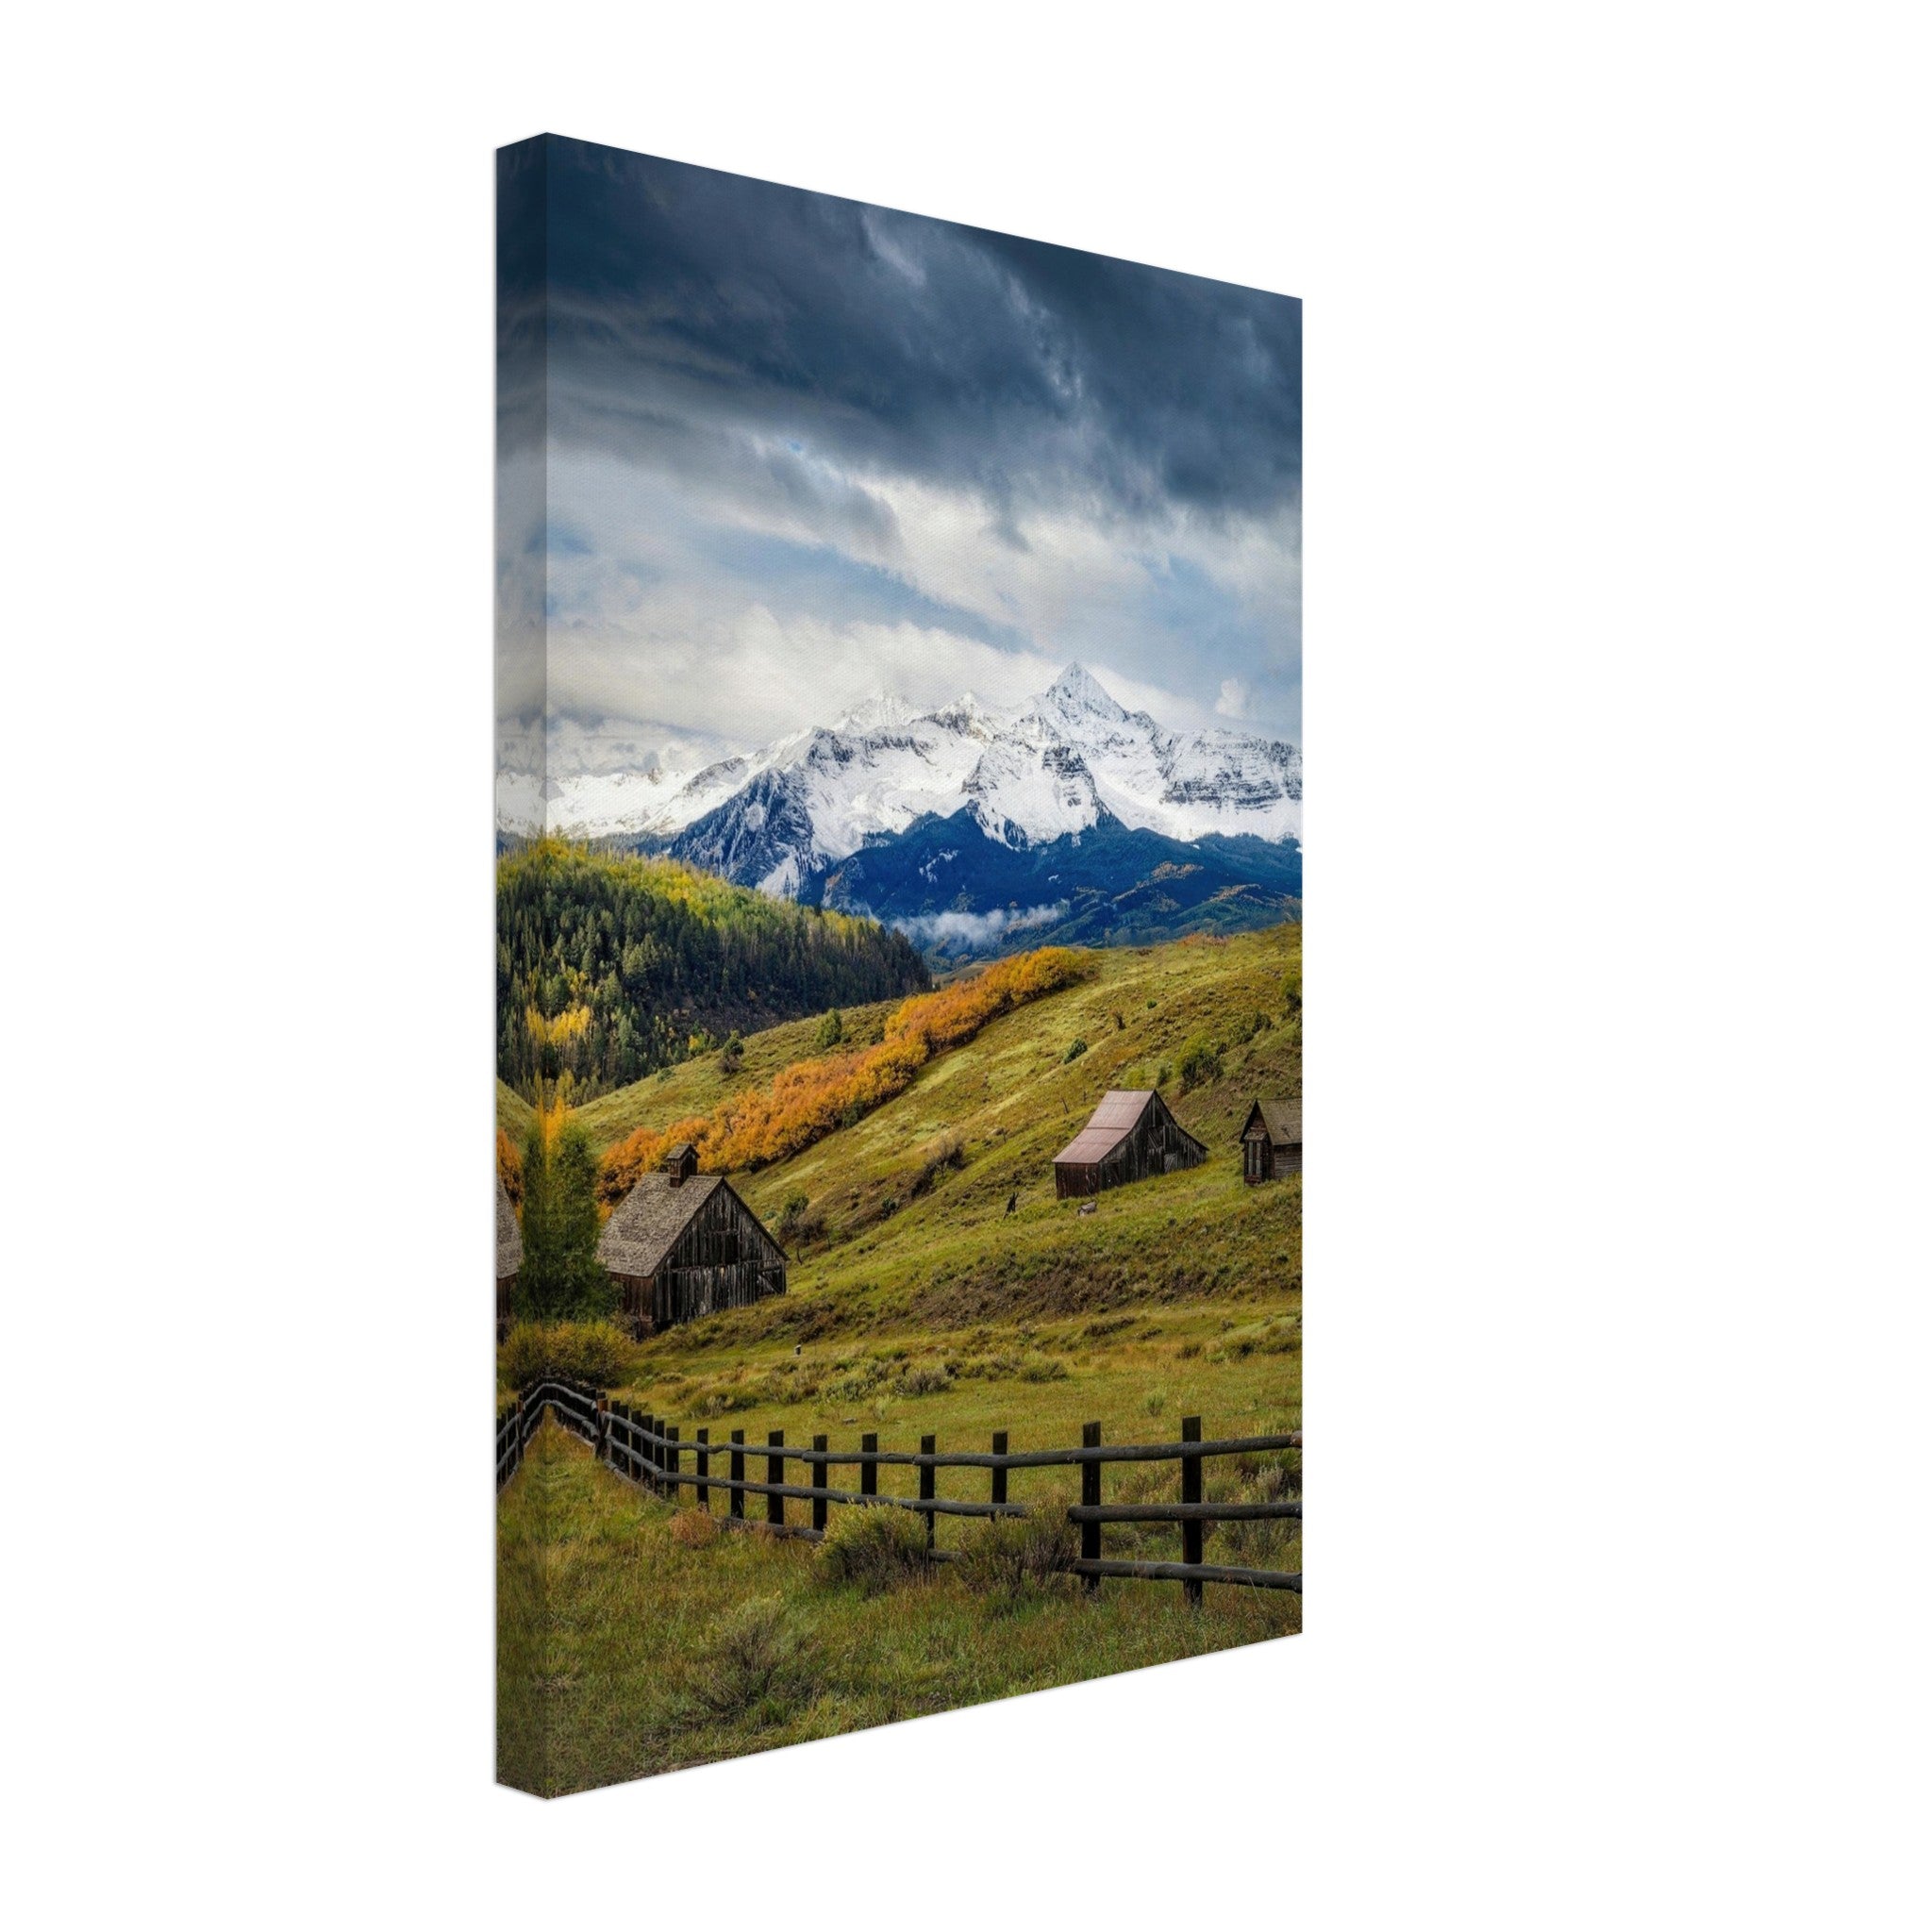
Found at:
[649, 1220]
[509, 1237]
[1110, 1123]
[1283, 1120]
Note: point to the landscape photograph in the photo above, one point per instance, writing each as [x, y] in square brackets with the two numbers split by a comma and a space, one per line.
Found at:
[898, 804]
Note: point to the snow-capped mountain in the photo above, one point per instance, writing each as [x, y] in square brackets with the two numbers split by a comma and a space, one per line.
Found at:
[600, 783]
[1028, 775]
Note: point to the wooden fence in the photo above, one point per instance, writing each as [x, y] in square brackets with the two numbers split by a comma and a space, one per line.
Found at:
[650, 1451]
[576, 1406]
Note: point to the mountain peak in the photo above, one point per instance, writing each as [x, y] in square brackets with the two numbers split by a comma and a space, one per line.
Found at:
[886, 708]
[1078, 689]
[1039, 770]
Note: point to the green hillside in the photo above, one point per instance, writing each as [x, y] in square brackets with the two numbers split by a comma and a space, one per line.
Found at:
[513, 1113]
[917, 1301]
[918, 1304]
[697, 1085]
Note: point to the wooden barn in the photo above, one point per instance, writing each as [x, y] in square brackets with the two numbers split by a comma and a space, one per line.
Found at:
[1272, 1141]
[682, 1244]
[510, 1257]
[1131, 1136]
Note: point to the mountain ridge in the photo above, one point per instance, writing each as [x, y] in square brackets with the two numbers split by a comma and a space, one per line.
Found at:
[868, 813]
[919, 761]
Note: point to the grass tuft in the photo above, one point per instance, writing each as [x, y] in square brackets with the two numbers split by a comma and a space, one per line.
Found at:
[752, 1662]
[695, 1530]
[1013, 1557]
[876, 1549]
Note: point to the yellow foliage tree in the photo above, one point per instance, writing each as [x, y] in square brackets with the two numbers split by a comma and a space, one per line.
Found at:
[509, 1168]
[805, 1101]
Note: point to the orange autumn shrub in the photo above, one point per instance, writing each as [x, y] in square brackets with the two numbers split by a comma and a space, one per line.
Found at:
[509, 1168]
[805, 1101]
[640, 1154]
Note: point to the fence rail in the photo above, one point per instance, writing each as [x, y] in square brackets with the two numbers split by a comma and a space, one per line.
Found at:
[649, 1450]
[576, 1405]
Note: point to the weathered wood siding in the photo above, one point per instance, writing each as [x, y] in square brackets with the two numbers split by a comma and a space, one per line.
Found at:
[1264, 1158]
[724, 1259]
[1157, 1144]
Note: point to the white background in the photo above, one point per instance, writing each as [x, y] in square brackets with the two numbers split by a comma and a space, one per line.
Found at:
[1616, 522]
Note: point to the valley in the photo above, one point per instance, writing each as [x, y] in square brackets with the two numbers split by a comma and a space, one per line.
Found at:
[936, 1282]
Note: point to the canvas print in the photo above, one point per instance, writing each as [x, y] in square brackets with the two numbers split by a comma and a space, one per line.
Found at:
[898, 1174]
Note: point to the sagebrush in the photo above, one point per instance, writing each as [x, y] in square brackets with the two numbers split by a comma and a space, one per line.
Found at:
[875, 1547]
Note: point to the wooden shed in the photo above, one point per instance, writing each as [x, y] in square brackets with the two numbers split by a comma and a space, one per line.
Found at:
[1272, 1141]
[682, 1244]
[1130, 1136]
[510, 1257]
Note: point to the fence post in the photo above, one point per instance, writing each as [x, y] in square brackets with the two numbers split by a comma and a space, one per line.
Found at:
[818, 1482]
[601, 1448]
[1191, 1492]
[1089, 1497]
[928, 1445]
[738, 1473]
[869, 1472]
[774, 1473]
[673, 1461]
[703, 1470]
[999, 1475]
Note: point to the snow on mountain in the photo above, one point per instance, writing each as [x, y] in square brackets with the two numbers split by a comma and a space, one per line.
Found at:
[818, 797]
[1182, 784]
[1080, 703]
[1030, 787]
[601, 804]
[1031, 773]
[596, 783]
[886, 710]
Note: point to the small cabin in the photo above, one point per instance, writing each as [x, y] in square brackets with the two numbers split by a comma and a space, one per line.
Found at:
[1130, 1136]
[510, 1257]
[1272, 1141]
[682, 1244]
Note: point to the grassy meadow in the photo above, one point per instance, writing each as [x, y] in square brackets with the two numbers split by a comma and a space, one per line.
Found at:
[636, 1639]
[936, 1287]
[907, 1265]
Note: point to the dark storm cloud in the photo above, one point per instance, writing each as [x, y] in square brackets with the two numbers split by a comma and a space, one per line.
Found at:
[792, 451]
[1036, 376]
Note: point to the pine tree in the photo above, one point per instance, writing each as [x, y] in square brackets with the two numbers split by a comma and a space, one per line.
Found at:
[561, 1279]
[589, 1289]
[540, 1292]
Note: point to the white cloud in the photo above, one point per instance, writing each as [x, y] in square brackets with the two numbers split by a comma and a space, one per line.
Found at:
[975, 931]
[660, 617]
[747, 676]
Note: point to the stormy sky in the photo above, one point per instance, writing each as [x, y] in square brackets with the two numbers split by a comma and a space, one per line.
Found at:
[801, 450]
